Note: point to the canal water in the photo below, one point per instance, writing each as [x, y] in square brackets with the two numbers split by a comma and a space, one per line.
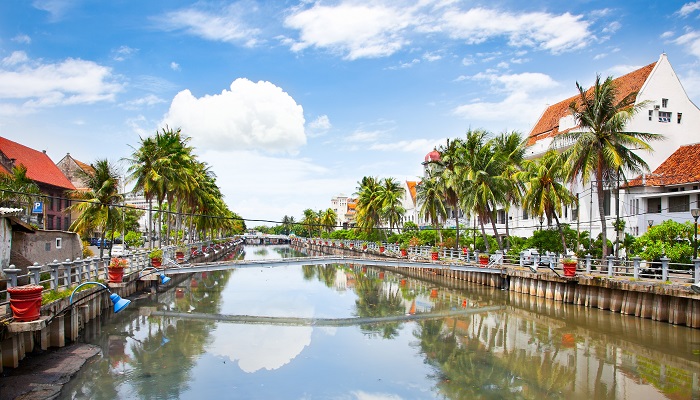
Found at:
[359, 332]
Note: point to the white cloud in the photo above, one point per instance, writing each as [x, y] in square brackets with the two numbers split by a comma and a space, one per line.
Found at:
[72, 81]
[319, 126]
[666, 35]
[364, 136]
[430, 57]
[123, 52]
[356, 30]
[17, 57]
[689, 8]
[174, 66]
[691, 41]
[145, 101]
[258, 116]
[410, 146]
[56, 8]
[555, 33]
[22, 38]
[526, 95]
[224, 25]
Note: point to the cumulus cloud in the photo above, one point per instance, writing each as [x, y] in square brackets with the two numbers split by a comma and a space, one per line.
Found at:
[555, 33]
[257, 116]
[689, 8]
[356, 30]
[223, 25]
[174, 66]
[73, 81]
[319, 126]
[691, 41]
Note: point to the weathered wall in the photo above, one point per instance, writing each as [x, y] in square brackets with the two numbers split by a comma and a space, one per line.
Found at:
[5, 238]
[42, 247]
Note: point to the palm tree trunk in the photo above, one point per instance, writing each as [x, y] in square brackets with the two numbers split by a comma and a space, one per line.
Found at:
[150, 223]
[483, 234]
[493, 226]
[507, 233]
[601, 211]
[561, 231]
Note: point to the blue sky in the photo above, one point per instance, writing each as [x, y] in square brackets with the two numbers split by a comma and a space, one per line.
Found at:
[291, 102]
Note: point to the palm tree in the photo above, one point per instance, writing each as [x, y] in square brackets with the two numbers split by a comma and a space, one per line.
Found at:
[512, 147]
[601, 147]
[369, 204]
[482, 180]
[431, 202]
[546, 192]
[329, 219]
[310, 221]
[390, 194]
[450, 180]
[18, 189]
[95, 205]
[287, 224]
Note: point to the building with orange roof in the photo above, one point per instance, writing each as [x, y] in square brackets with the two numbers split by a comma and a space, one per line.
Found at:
[50, 180]
[75, 171]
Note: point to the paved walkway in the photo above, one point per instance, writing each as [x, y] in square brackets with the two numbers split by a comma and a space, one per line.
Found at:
[42, 376]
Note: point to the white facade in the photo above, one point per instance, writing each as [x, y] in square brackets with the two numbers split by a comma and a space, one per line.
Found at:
[668, 111]
[339, 204]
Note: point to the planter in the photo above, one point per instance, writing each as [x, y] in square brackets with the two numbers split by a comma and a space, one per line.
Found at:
[404, 253]
[25, 302]
[483, 261]
[156, 262]
[364, 247]
[115, 274]
[465, 251]
[435, 256]
[180, 255]
[569, 268]
[381, 275]
[381, 249]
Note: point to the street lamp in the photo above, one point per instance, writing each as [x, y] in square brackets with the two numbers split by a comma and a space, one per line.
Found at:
[119, 303]
[650, 223]
[541, 221]
[695, 212]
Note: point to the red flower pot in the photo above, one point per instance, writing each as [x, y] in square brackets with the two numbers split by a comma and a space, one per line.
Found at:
[115, 274]
[435, 255]
[404, 252]
[156, 262]
[25, 302]
[570, 269]
[483, 261]
[381, 249]
[381, 275]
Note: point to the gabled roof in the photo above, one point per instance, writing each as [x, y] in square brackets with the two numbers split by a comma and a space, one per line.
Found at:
[88, 169]
[40, 168]
[683, 166]
[548, 124]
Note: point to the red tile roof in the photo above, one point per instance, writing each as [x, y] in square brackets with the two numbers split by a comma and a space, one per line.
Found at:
[548, 124]
[683, 166]
[40, 168]
[412, 190]
[88, 169]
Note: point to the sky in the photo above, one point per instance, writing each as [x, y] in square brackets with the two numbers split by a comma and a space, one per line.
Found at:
[292, 102]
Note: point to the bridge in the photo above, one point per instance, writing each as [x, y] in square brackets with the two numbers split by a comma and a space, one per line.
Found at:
[322, 260]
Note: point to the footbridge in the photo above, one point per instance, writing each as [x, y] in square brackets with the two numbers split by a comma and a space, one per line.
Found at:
[174, 268]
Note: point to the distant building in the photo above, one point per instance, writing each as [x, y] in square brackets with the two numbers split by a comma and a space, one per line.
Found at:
[52, 183]
[76, 172]
[344, 208]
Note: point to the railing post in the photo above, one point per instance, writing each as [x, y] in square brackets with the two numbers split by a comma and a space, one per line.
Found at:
[35, 271]
[79, 270]
[664, 268]
[522, 258]
[105, 266]
[499, 257]
[636, 260]
[68, 266]
[55, 265]
[697, 270]
[588, 263]
[12, 275]
[611, 260]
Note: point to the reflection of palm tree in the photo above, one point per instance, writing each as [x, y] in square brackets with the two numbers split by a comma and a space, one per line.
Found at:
[374, 301]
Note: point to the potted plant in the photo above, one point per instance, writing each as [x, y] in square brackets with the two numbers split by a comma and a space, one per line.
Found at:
[351, 245]
[434, 253]
[483, 259]
[381, 247]
[115, 269]
[156, 256]
[364, 246]
[404, 249]
[569, 265]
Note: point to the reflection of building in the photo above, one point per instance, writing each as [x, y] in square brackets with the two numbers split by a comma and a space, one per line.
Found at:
[52, 183]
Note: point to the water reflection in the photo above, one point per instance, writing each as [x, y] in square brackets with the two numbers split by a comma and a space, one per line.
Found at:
[530, 348]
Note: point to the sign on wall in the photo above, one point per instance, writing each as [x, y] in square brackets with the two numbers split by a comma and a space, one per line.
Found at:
[38, 207]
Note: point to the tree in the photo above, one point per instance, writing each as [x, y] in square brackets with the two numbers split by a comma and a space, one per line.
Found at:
[96, 204]
[450, 179]
[311, 221]
[546, 192]
[329, 219]
[369, 204]
[390, 195]
[601, 148]
[18, 190]
[512, 148]
[431, 202]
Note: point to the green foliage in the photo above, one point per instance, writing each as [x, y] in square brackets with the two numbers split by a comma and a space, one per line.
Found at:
[156, 253]
[86, 250]
[133, 239]
[670, 238]
[410, 226]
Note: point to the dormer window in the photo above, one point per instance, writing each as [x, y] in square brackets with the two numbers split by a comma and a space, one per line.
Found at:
[664, 103]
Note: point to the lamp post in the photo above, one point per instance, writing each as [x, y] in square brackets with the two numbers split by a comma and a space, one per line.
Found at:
[541, 221]
[695, 212]
[119, 303]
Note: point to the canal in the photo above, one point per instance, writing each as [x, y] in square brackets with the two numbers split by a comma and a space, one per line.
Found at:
[359, 332]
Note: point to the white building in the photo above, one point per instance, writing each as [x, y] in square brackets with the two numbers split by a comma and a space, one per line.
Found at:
[668, 111]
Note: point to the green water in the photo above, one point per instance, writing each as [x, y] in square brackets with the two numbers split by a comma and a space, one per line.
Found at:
[354, 332]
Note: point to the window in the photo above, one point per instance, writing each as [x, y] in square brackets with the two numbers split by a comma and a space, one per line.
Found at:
[679, 204]
[501, 217]
[58, 243]
[654, 205]
[66, 222]
[680, 116]
[525, 216]
[651, 114]
[58, 223]
[49, 222]
[664, 116]
[664, 103]
[51, 203]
